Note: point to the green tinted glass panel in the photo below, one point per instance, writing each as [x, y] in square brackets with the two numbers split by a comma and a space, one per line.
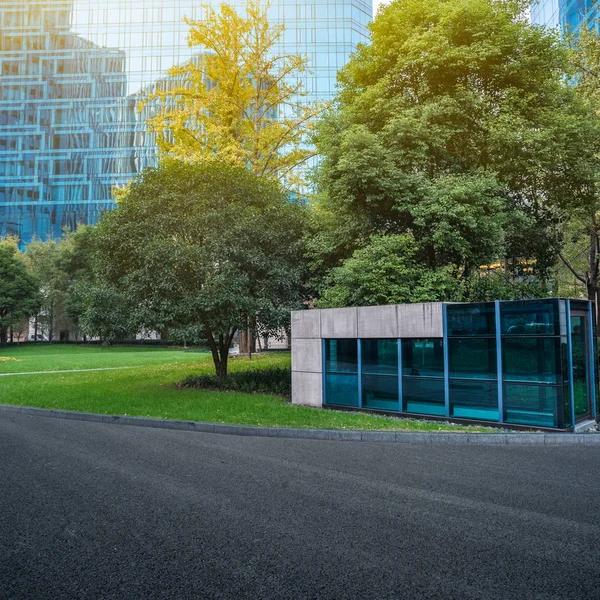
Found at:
[532, 359]
[341, 389]
[423, 395]
[539, 317]
[423, 357]
[579, 346]
[379, 356]
[473, 358]
[471, 319]
[474, 400]
[341, 356]
[380, 392]
[536, 405]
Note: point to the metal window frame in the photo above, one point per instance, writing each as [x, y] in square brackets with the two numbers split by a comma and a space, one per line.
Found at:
[592, 357]
[570, 363]
[446, 359]
[359, 370]
[323, 373]
[499, 362]
[400, 391]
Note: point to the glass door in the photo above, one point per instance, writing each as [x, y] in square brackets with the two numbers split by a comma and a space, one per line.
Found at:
[581, 367]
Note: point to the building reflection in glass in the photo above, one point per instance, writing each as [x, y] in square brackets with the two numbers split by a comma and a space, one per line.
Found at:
[72, 72]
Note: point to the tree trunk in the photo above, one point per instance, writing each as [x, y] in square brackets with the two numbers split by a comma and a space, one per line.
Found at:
[51, 323]
[219, 350]
[3, 336]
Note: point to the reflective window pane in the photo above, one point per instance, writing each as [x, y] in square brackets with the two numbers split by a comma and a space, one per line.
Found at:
[532, 359]
[579, 345]
[473, 358]
[341, 389]
[379, 356]
[423, 357]
[423, 395]
[471, 319]
[380, 392]
[341, 356]
[535, 405]
[540, 317]
[474, 400]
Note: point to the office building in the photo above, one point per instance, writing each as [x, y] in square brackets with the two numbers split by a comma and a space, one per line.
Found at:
[566, 14]
[73, 71]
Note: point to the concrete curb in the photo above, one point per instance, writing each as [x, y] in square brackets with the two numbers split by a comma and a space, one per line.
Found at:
[398, 437]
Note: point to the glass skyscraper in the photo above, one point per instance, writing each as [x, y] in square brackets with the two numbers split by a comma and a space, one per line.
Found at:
[73, 72]
[566, 14]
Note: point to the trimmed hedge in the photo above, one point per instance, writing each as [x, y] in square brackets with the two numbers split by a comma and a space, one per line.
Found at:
[271, 380]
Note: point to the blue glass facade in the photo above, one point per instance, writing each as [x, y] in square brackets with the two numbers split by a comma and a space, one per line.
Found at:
[566, 14]
[529, 363]
[72, 73]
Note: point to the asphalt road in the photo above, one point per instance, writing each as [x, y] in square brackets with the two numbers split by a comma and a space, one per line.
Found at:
[89, 510]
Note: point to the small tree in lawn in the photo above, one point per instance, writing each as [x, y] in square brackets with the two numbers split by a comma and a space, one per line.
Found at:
[206, 244]
[239, 100]
[19, 291]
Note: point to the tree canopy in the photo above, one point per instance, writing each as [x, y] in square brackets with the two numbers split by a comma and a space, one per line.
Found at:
[19, 290]
[207, 244]
[239, 100]
[455, 125]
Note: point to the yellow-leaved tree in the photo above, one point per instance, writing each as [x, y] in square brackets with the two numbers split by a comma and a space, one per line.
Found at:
[238, 99]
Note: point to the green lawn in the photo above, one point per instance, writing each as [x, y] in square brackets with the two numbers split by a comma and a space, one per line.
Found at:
[57, 358]
[148, 389]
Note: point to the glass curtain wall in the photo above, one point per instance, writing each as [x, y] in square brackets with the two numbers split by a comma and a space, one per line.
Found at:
[566, 14]
[473, 362]
[379, 374]
[535, 363]
[341, 372]
[423, 376]
[72, 73]
[526, 362]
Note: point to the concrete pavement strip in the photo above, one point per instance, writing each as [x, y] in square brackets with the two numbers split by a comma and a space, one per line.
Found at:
[398, 437]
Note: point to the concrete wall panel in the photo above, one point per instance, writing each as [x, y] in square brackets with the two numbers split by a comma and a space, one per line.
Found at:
[307, 389]
[307, 355]
[420, 320]
[306, 324]
[377, 322]
[339, 323]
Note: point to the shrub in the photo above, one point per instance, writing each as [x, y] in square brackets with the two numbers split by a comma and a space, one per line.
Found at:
[272, 380]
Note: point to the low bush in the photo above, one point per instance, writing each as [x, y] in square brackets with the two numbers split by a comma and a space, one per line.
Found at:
[271, 380]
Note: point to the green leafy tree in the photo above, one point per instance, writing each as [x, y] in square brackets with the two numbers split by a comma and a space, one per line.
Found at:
[581, 251]
[208, 245]
[387, 271]
[105, 311]
[456, 125]
[19, 290]
[76, 254]
[43, 261]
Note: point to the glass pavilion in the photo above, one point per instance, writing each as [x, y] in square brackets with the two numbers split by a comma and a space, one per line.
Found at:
[524, 363]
